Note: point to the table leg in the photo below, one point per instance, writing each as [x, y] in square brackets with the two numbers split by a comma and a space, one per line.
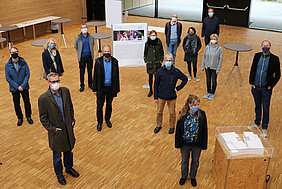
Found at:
[2, 46]
[96, 29]
[33, 27]
[24, 32]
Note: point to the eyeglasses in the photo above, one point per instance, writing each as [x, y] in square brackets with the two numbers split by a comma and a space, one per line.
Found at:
[57, 81]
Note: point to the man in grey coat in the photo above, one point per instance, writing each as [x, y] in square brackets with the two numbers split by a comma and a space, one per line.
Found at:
[84, 44]
[57, 116]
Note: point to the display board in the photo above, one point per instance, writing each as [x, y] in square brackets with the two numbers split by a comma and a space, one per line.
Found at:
[113, 12]
[128, 43]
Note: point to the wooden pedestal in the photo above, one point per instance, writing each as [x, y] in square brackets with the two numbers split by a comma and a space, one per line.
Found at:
[244, 171]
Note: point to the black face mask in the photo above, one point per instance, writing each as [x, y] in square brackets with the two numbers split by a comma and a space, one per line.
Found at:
[15, 55]
[107, 55]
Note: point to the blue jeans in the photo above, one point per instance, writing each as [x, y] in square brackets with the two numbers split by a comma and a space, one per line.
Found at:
[57, 161]
[172, 48]
[211, 78]
[262, 97]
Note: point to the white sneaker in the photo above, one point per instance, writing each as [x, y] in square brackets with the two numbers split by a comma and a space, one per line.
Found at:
[207, 95]
[196, 79]
[189, 78]
[254, 126]
[264, 133]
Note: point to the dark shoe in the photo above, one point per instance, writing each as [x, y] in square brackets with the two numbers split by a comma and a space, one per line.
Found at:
[193, 182]
[29, 120]
[109, 124]
[171, 131]
[20, 122]
[157, 129]
[73, 172]
[182, 181]
[99, 126]
[90, 87]
[81, 89]
[61, 179]
[150, 94]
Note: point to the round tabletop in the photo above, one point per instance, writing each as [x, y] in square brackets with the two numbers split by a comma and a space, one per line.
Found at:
[39, 43]
[2, 40]
[238, 47]
[61, 20]
[101, 35]
[96, 24]
[8, 28]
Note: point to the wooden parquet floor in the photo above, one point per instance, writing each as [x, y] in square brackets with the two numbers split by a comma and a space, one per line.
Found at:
[130, 155]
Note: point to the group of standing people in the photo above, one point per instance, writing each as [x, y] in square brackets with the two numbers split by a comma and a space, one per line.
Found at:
[56, 108]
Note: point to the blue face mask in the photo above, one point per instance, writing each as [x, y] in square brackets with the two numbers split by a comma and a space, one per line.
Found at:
[194, 108]
[168, 64]
[153, 37]
[52, 46]
[265, 49]
[210, 14]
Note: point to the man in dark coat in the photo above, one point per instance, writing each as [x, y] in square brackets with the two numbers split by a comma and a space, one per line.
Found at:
[105, 85]
[57, 116]
[17, 75]
[264, 75]
[210, 26]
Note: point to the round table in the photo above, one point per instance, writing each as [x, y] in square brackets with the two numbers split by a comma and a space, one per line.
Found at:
[39, 43]
[96, 24]
[100, 36]
[1, 41]
[8, 29]
[61, 21]
[238, 47]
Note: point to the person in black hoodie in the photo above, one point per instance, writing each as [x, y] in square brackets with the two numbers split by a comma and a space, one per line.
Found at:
[51, 58]
[153, 57]
[191, 136]
[165, 91]
[191, 46]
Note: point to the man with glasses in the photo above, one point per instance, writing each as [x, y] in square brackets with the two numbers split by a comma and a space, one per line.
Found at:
[57, 116]
[17, 75]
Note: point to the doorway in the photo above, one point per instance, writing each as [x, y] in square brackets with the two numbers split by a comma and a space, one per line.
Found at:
[95, 9]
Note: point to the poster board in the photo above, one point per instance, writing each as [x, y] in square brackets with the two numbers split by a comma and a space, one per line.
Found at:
[113, 12]
[128, 43]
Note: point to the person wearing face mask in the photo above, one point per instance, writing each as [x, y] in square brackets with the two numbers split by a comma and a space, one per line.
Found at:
[153, 57]
[165, 91]
[17, 75]
[51, 58]
[56, 114]
[264, 75]
[84, 45]
[191, 137]
[211, 63]
[191, 46]
[106, 85]
[173, 30]
[210, 26]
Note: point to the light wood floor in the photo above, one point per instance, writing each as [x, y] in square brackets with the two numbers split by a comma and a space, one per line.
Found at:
[130, 155]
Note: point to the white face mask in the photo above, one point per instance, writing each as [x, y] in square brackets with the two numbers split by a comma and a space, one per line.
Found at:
[213, 41]
[174, 19]
[55, 86]
[84, 30]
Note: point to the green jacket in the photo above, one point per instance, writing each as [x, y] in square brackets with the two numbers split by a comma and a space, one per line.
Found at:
[153, 55]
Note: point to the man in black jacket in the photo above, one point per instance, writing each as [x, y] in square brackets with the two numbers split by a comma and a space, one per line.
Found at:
[105, 84]
[210, 26]
[173, 30]
[165, 91]
[265, 73]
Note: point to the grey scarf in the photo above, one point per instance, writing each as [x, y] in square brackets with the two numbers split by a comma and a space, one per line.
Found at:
[191, 44]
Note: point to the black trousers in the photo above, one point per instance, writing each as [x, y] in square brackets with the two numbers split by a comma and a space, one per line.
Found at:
[17, 103]
[211, 78]
[86, 61]
[151, 81]
[207, 39]
[104, 94]
[194, 68]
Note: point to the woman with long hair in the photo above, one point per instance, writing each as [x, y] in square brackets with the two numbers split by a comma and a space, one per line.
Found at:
[191, 137]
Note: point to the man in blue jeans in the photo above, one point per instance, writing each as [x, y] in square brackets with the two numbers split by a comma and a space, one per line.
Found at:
[57, 116]
[265, 73]
[173, 30]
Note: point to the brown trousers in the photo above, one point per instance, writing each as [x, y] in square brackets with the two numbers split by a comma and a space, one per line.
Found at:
[171, 107]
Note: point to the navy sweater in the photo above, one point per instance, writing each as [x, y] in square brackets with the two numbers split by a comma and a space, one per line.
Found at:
[210, 26]
[165, 82]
